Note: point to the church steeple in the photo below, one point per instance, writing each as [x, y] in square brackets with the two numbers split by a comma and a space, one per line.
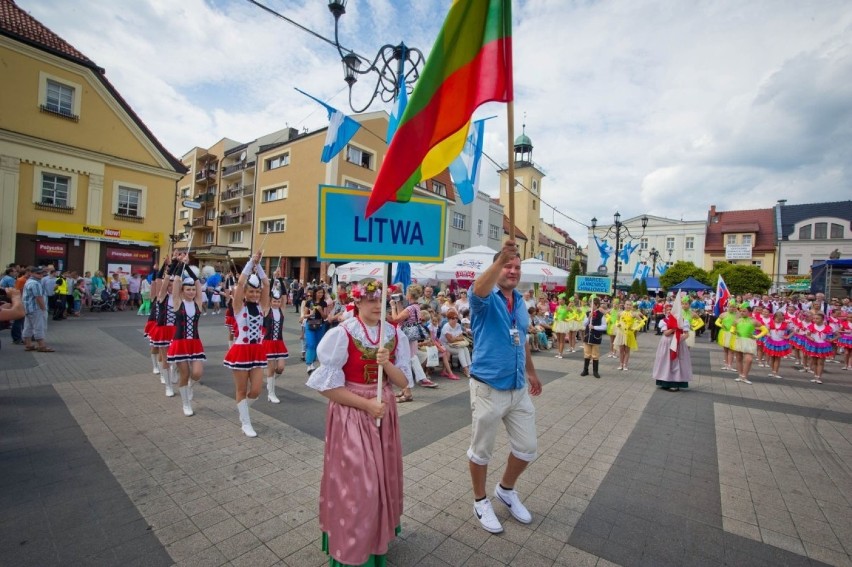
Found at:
[523, 147]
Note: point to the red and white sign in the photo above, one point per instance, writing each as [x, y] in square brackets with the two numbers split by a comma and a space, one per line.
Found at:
[51, 249]
[465, 275]
[130, 256]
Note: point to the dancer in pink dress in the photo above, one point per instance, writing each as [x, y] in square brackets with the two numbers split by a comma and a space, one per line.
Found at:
[361, 490]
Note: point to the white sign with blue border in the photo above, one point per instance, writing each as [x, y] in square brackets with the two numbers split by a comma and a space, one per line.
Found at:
[404, 232]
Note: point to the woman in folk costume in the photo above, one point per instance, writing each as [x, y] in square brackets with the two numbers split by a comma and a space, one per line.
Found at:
[561, 326]
[763, 317]
[186, 351]
[843, 339]
[576, 316]
[360, 502]
[745, 341]
[673, 363]
[776, 344]
[273, 343]
[726, 321]
[625, 337]
[164, 331]
[150, 324]
[247, 357]
[799, 341]
[818, 346]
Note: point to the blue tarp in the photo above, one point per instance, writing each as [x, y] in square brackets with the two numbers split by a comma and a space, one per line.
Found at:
[690, 284]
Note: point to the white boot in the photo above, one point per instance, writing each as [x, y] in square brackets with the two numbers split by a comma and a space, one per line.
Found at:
[173, 374]
[270, 387]
[189, 388]
[155, 364]
[170, 392]
[245, 418]
[187, 404]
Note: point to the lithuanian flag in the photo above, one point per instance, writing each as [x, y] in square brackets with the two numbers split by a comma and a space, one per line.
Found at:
[470, 64]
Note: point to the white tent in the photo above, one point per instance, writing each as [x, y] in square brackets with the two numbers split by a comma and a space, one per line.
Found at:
[466, 265]
[356, 271]
[538, 271]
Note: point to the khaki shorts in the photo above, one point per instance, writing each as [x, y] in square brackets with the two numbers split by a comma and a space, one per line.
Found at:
[591, 351]
[517, 412]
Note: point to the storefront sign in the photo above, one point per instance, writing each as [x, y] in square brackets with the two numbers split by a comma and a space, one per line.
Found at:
[131, 256]
[51, 249]
[58, 229]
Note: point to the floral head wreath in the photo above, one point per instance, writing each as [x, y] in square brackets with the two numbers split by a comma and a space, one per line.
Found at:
[370, 290]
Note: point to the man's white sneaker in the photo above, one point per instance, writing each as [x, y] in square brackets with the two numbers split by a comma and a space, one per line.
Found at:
[511, 500]
[484, 512]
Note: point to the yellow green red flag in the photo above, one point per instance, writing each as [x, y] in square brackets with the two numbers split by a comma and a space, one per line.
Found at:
[470, 64]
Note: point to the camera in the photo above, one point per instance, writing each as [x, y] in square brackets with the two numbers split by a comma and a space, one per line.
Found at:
[396, 297]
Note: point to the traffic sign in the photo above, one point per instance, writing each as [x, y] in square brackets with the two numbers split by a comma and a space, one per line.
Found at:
[191, 204]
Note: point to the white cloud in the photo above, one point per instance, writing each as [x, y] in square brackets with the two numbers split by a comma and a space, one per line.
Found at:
[641, 106]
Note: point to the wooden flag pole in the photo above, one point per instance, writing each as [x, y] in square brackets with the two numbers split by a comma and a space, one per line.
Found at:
[510, 117]
[382, 334]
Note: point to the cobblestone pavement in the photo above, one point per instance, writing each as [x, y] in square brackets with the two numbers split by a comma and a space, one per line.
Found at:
[98, 467]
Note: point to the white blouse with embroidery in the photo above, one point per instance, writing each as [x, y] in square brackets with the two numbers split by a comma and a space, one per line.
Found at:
[333, 351]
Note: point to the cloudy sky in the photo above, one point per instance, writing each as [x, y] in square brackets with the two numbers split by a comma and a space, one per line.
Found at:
[654, 107]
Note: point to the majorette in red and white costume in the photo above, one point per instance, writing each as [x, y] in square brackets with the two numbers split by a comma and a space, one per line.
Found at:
[186, 344]
[775, 343]
[247, 352]
[273, 343]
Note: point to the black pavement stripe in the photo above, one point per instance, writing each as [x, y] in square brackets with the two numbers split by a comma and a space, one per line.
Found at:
[59, 503]
[660, 502]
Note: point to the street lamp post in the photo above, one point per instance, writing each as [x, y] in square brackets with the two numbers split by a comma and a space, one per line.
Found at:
[654, 256]
[388, 64]
[617, 229]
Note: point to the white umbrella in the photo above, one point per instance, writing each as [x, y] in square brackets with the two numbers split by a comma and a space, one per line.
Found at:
[538, 271]
[466, 265]
[356, 271]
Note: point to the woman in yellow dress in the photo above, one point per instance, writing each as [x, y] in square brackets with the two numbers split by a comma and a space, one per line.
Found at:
[611, 319]
[560, 324]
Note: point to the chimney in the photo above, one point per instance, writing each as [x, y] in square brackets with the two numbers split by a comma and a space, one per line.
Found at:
[782, 202]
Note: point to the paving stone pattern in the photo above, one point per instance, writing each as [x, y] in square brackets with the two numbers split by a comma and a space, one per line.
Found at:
[99, 467]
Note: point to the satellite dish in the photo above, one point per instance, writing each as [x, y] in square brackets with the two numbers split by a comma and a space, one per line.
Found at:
[243, 156]
[331, 270]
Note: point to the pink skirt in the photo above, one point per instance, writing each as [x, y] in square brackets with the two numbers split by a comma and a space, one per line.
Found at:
[360, 502]
[185, 350]
[275, 349]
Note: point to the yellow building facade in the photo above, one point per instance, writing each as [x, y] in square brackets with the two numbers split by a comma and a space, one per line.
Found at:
[81, 177]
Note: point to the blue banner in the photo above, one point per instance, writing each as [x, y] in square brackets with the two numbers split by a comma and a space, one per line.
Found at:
[593, 284]
[406, 232]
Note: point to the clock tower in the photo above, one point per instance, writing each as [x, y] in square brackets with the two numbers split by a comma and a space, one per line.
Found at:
[527, 189]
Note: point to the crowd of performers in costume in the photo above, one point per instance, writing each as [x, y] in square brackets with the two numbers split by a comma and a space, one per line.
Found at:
[254, 320]
[807, 338]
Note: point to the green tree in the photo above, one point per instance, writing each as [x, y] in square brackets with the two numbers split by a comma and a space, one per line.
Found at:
[679, 271]
[636, 287]
[572, 277]
[643, 287]
[741, 278]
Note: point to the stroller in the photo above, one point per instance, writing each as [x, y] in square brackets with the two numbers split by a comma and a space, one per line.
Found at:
[105, 301]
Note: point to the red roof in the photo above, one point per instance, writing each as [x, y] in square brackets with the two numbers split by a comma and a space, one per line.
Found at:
[20, 26]
[759, 221]
[518, 234]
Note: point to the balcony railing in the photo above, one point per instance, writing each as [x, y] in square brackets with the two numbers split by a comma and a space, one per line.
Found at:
[235, 218]
[239, 191]
[205, 174]
[206, 198]
[232, 169]
[201, 223]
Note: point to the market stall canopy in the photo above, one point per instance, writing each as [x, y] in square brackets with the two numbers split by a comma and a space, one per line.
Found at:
[690, 284]
[466, 265]
[356, 271]
[538, 271]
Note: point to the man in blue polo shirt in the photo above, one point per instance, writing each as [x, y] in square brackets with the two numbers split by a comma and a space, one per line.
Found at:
[502, 380]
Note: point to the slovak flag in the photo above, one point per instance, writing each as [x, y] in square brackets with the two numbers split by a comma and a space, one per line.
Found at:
[722, 297]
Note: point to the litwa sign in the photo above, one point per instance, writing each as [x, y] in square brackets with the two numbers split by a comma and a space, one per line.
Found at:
[405, 232]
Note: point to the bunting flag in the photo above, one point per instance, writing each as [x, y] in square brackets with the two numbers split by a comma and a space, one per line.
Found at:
[626, 251]
[470, 64]
[637, 271]
[645, 271]
[341, 128]
[604, 249]
[465, 168]
[398, 108]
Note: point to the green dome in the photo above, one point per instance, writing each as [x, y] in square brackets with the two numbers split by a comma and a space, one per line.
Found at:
[523, 140]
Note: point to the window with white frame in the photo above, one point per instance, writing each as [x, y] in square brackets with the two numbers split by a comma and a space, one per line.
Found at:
[439, 188]
[184, 192]
[277, 161]
[184, 214]
[746, 240]
[731, 239]
[459, 220]
[273, 225]
[359, 157]
[758, 263]
[54, 189]
[211, 214]
[60, 98]
[670, 243]
[493, 231]
[805, 232]
[643, 243]
[689, 243]
[355, 185]
[128, 201]
[836, 230]
[274, 194]
[208, 237]
[479, 225]
[235, 237]
[820, 230]
[456, 247]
